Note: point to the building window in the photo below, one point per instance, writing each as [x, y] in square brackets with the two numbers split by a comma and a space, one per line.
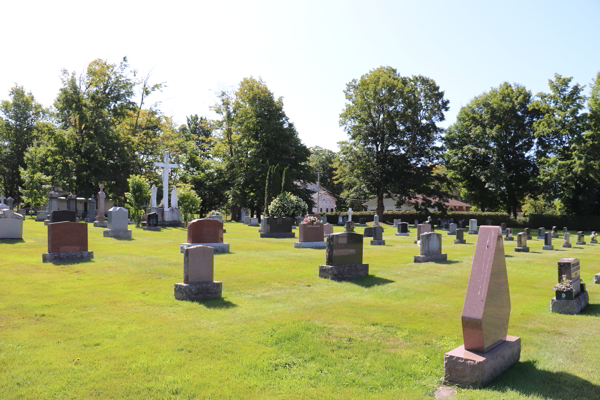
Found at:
[321, 210]
[327, 210]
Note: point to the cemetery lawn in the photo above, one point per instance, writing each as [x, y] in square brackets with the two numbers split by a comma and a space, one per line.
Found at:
[111, 328]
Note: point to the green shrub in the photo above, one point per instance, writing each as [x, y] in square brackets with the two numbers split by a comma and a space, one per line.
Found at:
[287, 205]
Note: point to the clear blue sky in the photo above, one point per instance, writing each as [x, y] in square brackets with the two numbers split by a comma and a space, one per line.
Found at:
[306, 51]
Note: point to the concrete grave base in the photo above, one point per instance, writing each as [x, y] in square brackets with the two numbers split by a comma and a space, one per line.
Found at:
[278, 235]
[549, 247]
[435, 257]
[152, 228]
[597, 281]
[508, 239]
[198, 291]
[377, 242]
[345, 272]
[473, 232]
[310, 245]
[568, 245]
[458, 241]
[401, 234]
[474, 369]
[67, 256]
[113, 233]
[580, 243]
[101, 224]
[219, 247]
[570, 307]
[524, 249]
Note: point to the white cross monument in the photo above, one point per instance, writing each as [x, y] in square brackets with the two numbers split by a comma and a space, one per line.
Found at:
[166, 169]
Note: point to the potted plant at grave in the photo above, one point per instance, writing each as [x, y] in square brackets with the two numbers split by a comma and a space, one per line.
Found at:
[311, 220]
[564, 289]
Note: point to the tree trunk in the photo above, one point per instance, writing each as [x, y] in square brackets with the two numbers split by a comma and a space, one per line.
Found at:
[380, 207]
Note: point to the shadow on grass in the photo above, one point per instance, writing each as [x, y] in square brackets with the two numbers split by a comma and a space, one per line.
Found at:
[370, 281]
[11, 241]
[124, 239]
[591, 309]
[217, 303]
[527, 379]
[447, 262]
[59, 263]
[508, 255]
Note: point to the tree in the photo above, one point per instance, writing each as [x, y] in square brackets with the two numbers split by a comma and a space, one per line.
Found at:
[19, 117]
[189, 202]
[490, 148]
[323, 161]
[35, 188]
[263, 137]
[567, 153]
[138, 197]
[391, 121]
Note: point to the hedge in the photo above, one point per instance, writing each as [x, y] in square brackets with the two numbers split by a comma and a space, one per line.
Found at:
[572, 222]
[410, 216]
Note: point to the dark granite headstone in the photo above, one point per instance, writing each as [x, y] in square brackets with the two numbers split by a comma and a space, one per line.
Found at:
[403, 227]
[528, 233]
[362, 221]
[368, 231]
[63, 216]
[460, 236]
[279, 225]
[344, 248]
[570, 268]
[152, 219]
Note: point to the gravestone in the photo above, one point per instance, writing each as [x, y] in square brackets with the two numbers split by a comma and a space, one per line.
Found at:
[421, 229]
[509, 235]
[522, 243]
[452, 229]
[431, 248]
[63, 216]
[247, 220]
[570, 268]
[460, 236]
[369, 231]
[170, 215]
[396, 222]
[340, 220]
[206, 232]
[72, 203]
[41, 215]
[446, 225]
[67, 241]
[377, 236]
[429, 220]
[312, 236]
[473, 227]
[100, 222]
[580, 238]
[10, 202]
[488, 350]
[11, 224]
[362, 222]
[416, 222]
[402, 229]
[52, 205]
[597, 279]
[198, 275]
[541, 233]
[278, 227]
[327, 229]
[554, 232]
[376, 220]
[254, 221]
[91, 210]
[152, 222]
[565, 230]
[117, 224]
[503, 227]
[418, 234]
[593, 239]
[344, 256]
[528, 232]
[567, 240]
[548, 241]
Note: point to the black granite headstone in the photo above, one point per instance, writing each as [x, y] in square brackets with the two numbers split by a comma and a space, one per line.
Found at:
[63, 216]
[279, 225]
[344, 248]
[362, 221]
[368, 231]
[152, 219]
[403, 227]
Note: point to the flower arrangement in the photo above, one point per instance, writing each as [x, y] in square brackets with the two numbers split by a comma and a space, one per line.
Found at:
[311, 220]
[564, 286]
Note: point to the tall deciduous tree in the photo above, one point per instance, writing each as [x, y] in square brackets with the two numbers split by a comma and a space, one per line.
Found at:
[392, 123]
[18, 119]
[323, 161]
[490, 148]
[567, 153]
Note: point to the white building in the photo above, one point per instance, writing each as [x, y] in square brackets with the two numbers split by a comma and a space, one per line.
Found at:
[324, 201]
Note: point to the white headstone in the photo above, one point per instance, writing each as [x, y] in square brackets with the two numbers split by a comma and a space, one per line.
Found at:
[376, 220]
[350, 214]
[153, 197]
[118, 218]
[2, 205]
[11, 225]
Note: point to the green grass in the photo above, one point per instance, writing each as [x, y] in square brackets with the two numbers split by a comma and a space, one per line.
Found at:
[111, 328]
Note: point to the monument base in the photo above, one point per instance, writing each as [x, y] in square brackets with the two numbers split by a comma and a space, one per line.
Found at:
[218, 247]
[101, 224]
[67, 256]
[377, 242]
[113, 233]
[474, 369]
[310, 245]
[570, 307]
[508, 239]
[473, 232]
[346, 272]
[152, 228]
[580, 243]
[523, 249]
[402, 234]
[278, 235]
[198, 291]
[548, 247]
[435, 257]
[568, 245]
[458, 241]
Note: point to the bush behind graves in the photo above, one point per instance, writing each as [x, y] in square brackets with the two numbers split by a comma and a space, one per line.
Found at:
[573, 222]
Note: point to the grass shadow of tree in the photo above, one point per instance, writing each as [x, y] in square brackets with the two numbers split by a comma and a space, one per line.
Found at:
[527, 379]
[11, 241]
[74, 262]
[370, 281]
